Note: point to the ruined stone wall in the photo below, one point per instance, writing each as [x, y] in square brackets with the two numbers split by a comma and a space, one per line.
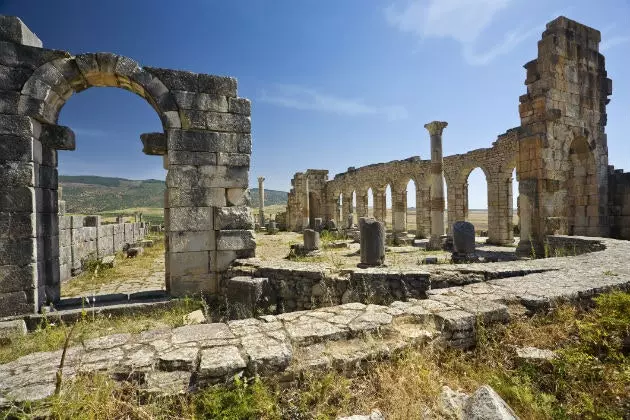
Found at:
[84, 237]
[619, 203]
[306, 199]
[206, 145]
[563, 152]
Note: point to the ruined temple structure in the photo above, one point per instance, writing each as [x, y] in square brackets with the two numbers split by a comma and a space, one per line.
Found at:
[205, 144]
[559, 152]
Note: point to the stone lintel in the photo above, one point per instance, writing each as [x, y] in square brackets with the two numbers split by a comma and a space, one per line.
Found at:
[57, 137]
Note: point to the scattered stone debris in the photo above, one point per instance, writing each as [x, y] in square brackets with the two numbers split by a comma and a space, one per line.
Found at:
[534, 355]
[11, 329]
[108, 261]
[452, 402]
[374, 415]
[483, 404]
[195, 317]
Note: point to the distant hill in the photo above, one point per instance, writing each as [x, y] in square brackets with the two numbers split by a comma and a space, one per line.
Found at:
[87, 194]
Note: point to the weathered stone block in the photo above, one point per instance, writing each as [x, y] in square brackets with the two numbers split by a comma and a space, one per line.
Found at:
[217, 363]
[235, 240]
[183, 157]
[12, 29]
[203, 197]
[153, 143]
[311, 240]
[20, 199]
[215, 121]
[175, 79]
[18, 174]
[218, 85]
[187, 285]
[16, 303]
[18, 149]
[186, 241]
[240, 106]
[208, 176]
[18, 251]
[245, 143]
[233, 159]
[188, 263]
[237, 197]
[205, 141]
[190, 219]
[9, 102]
[236, 217]
[16, 278]
[13, 78]
[372, 241]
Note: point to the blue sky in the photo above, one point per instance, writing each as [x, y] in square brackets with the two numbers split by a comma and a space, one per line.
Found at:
[333, 83]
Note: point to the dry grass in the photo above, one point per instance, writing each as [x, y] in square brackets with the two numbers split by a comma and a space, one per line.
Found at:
[95, 275]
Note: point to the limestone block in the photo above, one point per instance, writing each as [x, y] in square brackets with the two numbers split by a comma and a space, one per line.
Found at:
[47, 177]
[239, 197]
[12, 29]
[205, 141]
[21, 199]
[193, 197]
[233, 159]
[183, 157]
[236, 217]
[184, 241]
[244, 144]
[18, 251]
[486, 404]
[15, 303]
[195, 317]
[186, 285]
[188, 263]
[175, 79]
[311, 240]
[217, 85]
[18, 174]
[16, 278]
[220, 362]
[12, 78]
[57, 137]
[9, 102]
[215, 121]
[463, 237]
[201, 101]
[153, 143]
[233, 240]
[190, 219]
[240, 106]
[208, 176]
[18, 225]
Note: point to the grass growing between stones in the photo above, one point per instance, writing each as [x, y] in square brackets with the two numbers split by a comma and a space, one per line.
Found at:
[589, 378]
[126, 270]
[51, 333]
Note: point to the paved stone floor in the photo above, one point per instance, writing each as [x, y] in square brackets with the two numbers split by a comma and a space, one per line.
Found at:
[339, 337]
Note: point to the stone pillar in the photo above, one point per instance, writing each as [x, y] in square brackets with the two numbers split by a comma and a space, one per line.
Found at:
[306, 216]
[362, 204]
[423, 211]
[372, 241]
[457, 204]
[379, 204]
[399, 211]
[261, 200]
[435, 129]
[346, 208]
[311, 240]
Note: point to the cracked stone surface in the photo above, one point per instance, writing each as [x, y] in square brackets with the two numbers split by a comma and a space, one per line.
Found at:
[342, 337]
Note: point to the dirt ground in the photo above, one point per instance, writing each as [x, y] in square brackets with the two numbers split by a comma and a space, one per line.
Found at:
[277, 247]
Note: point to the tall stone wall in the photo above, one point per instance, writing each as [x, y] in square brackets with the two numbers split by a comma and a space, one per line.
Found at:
[619, 203]
[84, 237]
[563, 151]
[205, 144]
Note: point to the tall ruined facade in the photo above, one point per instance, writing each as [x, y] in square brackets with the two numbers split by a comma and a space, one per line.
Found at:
[563, 152]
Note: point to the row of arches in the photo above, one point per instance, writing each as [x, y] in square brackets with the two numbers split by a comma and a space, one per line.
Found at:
[407, 209]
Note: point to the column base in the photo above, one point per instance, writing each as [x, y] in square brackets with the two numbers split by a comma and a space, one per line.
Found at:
[530, 248]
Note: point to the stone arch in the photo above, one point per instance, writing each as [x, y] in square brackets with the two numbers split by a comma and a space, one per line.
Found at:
[582, 188]
[51, 84]
[207, 147]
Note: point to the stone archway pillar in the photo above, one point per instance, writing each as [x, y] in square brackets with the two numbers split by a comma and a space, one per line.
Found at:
[379, 204]
[457, 204]
[362, 203]
[423, 211]
[500, 230]
[399, 211]
[435, 129]
[261, 200]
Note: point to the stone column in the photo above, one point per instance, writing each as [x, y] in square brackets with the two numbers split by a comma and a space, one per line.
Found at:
[435, 129]
[362, 204]
[261, 200]
[346, 208]
[379, 204]
[399, 211]
[423, 211]
[306, 217]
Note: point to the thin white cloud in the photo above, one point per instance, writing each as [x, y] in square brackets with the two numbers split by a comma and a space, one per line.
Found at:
[461, 20]
[303, 98]
[88, 132]
[614, 41]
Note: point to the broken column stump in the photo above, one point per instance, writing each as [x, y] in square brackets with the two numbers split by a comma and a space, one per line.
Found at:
[372, 241]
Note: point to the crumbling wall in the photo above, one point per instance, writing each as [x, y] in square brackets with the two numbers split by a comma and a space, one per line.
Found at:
[84, 237]
[619, 203]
